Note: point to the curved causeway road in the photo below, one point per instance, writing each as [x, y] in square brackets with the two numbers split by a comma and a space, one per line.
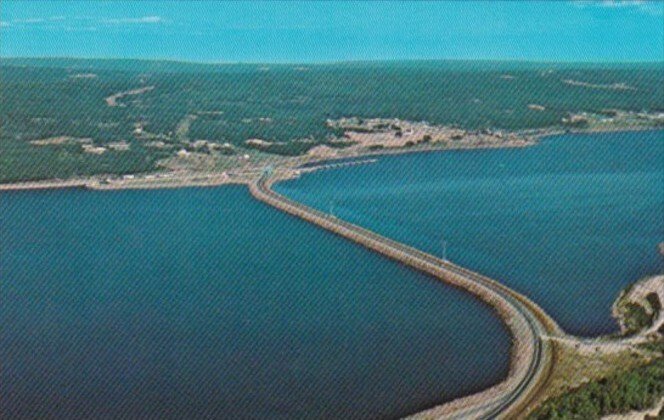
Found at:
[532, 355]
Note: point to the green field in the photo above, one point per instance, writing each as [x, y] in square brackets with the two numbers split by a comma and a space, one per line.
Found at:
[42, 98]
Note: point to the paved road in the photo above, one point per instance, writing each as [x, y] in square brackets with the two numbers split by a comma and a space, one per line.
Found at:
[531, 317]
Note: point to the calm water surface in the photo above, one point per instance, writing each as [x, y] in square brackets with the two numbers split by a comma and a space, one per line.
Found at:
[205, 303]
[569, 222]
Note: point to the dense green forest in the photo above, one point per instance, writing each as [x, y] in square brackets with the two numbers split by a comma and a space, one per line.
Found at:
[43, 98]
[637, 389]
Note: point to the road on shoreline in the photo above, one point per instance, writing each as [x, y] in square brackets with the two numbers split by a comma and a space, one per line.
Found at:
[529, 325]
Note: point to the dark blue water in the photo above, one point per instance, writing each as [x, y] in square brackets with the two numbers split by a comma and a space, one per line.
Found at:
[569, 222]
[205, 303]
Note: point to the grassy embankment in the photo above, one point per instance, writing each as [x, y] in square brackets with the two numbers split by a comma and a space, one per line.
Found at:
[614, 382]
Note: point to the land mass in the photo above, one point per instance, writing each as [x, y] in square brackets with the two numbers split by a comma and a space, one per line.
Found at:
[138, 118]
[612, 375]
[203, 163]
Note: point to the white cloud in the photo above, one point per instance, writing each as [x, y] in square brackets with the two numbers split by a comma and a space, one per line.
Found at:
[622, 3]
[38, 20]
[80, 23]
[144, 19]
[651, 7]
[30, 21]
[80, 28]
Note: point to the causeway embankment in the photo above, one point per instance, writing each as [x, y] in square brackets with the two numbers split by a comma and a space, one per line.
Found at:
[529, 326]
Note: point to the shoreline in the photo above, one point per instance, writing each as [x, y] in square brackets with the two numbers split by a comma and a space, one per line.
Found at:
[290, 168]
[213, 179]
[293, 169]
[96, 183]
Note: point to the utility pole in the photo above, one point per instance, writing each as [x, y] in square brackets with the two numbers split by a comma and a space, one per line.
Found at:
[444, 243]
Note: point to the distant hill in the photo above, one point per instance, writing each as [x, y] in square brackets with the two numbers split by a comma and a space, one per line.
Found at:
[194, 67]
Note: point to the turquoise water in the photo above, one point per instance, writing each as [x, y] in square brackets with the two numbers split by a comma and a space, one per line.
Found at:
[205, 303]
[569, 222]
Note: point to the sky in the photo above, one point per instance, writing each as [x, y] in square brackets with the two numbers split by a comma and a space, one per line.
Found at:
[275, 31]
